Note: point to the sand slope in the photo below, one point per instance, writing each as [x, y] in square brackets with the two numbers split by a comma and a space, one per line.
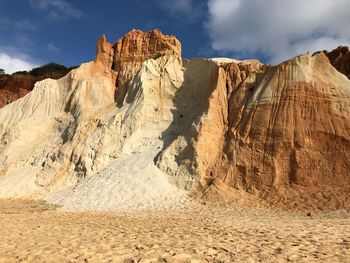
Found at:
[85, 152]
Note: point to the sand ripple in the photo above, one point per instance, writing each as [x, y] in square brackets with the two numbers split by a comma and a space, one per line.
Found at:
[33, 232]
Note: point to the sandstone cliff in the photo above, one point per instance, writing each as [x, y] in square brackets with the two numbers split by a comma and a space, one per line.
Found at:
[141, 127]
[17, 85]
[287, 136]
[126, 56]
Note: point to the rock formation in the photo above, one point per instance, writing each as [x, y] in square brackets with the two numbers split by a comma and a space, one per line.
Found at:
[340, 59]
[136, 47]
[17, 85]
[126, 56]
[285, 127]
[139, 126]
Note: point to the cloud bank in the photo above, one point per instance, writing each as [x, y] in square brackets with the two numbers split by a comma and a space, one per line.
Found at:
[277, 29]
[12, 64]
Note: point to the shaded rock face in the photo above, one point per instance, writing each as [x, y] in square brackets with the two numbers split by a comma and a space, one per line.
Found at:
[17, 85]
[14, 87]
[340, 59]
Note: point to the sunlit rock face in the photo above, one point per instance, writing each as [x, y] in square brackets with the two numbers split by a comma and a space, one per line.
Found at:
[141, 126]
[17, 85]
[288, 126]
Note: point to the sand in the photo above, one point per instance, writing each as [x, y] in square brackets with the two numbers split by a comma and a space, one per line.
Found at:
[131, 182]
[36, 232]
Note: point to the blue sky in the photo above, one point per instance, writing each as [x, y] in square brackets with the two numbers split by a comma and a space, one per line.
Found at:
[35, 32]
[48, 33]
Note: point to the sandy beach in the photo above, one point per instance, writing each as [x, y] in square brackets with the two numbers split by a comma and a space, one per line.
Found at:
[37, 232]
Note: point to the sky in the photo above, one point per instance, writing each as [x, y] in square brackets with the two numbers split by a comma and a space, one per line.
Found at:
[37, 32]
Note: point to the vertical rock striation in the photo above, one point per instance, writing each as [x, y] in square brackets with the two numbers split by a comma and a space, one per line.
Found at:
[139, 116]
[288, 128]
[126, 56]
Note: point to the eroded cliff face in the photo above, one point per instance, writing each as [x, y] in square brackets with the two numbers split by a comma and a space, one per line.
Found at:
[70, 136]
[126, 56]
[288, 128]
[15, 86]
[280, 132]
[139, 122]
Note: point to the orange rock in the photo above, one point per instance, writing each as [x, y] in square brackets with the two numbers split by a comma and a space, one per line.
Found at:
[138, 46]
[288, 128]
[104, 52]
[125, 57]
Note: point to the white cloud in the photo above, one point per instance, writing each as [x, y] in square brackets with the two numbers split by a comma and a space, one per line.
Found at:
[12, 64]
[277, 29]
[57, 9]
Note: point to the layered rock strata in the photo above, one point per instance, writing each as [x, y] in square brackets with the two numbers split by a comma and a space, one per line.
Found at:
[288, 127]
[139, 123]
